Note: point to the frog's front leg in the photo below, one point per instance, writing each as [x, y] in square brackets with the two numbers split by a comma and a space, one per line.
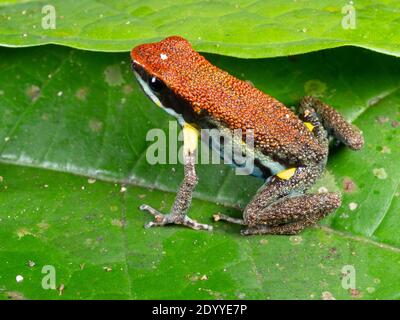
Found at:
[282, 207]
[178, 214]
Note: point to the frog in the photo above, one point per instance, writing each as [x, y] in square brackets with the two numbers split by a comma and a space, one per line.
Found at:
[291, 148]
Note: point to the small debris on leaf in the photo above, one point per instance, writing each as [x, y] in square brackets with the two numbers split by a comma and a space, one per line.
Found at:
[31, 263]
[353, 206]
[348, 185]
[380, 173]
[355, 293]
[61, 289]
[382, 119]
[326, 295]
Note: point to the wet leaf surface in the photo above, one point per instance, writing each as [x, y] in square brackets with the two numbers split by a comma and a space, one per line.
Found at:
[83, 113]
[248, 29]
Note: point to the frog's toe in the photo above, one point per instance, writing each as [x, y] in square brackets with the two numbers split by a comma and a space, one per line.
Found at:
[160, 219]
[151, 210]
[188, 222]
[219, 216]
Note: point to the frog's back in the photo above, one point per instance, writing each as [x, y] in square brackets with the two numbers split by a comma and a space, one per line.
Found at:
[212, 92]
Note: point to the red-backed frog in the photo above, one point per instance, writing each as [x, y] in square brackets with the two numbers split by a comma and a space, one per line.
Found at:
[292, 148]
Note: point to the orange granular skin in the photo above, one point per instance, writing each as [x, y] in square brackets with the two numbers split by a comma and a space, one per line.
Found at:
[278, 132]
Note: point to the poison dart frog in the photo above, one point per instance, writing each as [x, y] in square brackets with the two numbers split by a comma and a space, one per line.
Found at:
[292, 147]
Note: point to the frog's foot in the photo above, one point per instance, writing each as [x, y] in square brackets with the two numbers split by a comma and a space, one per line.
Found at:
[161, 219]
[178, 213]
[292, 214]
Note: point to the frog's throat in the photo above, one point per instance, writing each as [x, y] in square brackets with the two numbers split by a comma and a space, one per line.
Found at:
[156, 100]
[147, 90]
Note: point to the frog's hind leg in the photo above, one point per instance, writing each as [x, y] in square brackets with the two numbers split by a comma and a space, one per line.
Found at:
[315, 111]
[282, 207]
[292, 214]
[289, 215]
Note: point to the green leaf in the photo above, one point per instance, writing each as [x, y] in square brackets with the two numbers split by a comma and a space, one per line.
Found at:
[248, 29]
[93, 236]
[83, 113]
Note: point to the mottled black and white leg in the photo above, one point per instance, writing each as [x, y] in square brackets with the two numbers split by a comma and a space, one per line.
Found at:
[183, 200]
[274, 211]
[282, 207]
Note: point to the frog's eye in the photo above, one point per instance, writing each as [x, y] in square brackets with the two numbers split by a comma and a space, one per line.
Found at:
[155, 84]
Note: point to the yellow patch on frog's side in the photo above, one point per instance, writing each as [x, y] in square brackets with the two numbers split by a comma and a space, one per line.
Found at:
[286, 174]
[22, 232]
[190, 138]
[309, 126]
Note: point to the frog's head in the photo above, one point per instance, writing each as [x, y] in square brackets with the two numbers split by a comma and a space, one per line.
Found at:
[164, 71]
